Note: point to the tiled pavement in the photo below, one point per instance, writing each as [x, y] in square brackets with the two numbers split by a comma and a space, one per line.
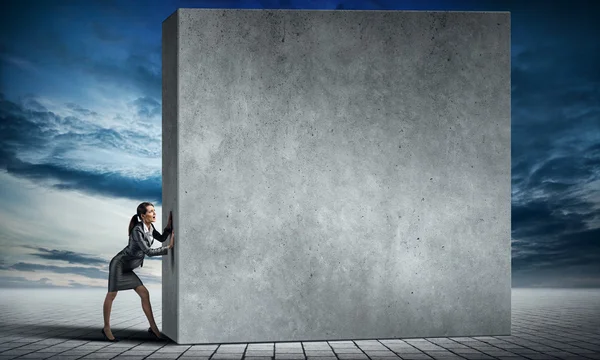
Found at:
[65, 324]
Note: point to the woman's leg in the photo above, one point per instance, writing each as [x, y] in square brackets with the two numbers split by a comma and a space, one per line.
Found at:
[108, 300]
[144, 294]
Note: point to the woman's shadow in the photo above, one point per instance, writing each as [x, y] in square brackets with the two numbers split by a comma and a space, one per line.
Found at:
[87, 333]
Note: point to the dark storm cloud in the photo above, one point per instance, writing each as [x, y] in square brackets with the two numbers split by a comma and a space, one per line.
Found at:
[555, 145]
[23, 130]
[90, 272]
[566, 239]
[110, 184]
[19, 282]
[147, 107]
[93, 273]
[32, 104]
[80, 110]
[68, 256]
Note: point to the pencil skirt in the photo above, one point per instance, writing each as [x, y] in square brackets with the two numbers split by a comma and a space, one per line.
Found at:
[120, 276]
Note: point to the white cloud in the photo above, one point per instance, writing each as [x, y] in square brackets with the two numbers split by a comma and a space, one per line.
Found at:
[87, 140]
[38, 216]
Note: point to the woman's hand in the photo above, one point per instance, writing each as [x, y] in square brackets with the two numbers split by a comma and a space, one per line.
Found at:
[172, 242]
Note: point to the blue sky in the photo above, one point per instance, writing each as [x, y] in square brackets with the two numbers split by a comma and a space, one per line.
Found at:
[80, 133]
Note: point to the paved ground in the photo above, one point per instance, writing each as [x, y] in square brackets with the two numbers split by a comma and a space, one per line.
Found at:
[65, 324]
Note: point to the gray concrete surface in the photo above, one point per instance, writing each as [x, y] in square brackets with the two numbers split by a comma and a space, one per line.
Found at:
[65, 324]
[170, 174]
[339, 174]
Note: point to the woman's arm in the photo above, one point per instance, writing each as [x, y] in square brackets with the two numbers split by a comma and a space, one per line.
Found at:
[166, 231]
[138, 238]
[165, 235]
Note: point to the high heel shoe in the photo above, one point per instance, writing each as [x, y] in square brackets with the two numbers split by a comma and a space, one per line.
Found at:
[106, 337]
[153, 334]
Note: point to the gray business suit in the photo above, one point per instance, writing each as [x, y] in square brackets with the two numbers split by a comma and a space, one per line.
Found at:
[120, 270]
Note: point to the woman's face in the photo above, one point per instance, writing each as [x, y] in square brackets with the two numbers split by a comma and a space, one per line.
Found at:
[150, 215]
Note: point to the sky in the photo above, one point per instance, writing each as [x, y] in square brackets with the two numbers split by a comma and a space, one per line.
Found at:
[80, 133]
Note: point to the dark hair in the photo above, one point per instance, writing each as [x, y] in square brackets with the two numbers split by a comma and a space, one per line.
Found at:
[141, 210]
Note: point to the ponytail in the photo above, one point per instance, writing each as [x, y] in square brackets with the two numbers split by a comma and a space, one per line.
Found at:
[135, 219]
[133, 222]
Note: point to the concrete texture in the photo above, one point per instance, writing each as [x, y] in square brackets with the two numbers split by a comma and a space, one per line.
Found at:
[169, 173]
[336, 175]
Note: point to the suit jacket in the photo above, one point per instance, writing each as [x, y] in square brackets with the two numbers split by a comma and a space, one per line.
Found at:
[139, 245]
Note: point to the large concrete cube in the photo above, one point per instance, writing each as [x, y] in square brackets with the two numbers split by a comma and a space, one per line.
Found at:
[336, 174]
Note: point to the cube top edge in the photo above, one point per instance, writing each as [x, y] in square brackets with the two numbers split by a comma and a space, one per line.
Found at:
[336, 10]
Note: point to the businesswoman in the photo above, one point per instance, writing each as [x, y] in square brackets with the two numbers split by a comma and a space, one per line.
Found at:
[120, 274]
